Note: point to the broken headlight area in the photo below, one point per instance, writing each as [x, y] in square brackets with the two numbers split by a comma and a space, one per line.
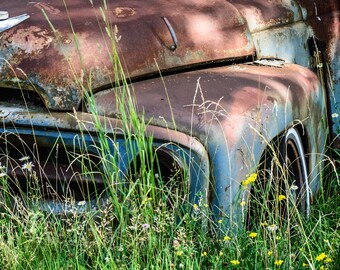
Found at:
[22, 97]
[51, 166]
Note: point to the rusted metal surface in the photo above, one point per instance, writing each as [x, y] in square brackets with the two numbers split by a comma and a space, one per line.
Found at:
[284, 29]
[206, 31]
[324, 19]
[223, 87]
[220, 112]
[265, 14]
[223, 107]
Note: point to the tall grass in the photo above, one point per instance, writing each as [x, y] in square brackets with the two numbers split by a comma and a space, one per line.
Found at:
[146, 224]
[139, 232]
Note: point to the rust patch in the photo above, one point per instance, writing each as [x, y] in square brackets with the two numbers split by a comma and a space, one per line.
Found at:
[265, 14]
[123, 12]
[30, 40]
[47, 8]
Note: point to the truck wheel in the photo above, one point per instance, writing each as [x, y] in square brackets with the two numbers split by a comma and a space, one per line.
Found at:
[282, 186]
[294, 163]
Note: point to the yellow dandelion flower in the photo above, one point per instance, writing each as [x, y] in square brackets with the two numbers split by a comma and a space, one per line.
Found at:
[252, 234]
[226, 238]
[328, 260]
[245, 183]
[250, 179]
[204, 254]
[243, 203]
[221, 254]
[195, 206]
[279, 262]
[206, 205]
[235, 262]
[270, 253]
[321, 256]
[305, 265]
[281, 197]
[179, 253]
[220, 221]
[323, 268]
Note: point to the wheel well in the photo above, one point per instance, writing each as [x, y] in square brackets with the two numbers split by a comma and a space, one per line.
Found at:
[276, 152]
[304, 138]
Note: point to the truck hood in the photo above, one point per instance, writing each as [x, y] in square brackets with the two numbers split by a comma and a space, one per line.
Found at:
[61, 48]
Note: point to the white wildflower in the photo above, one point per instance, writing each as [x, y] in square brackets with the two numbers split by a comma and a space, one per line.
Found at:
[25, 158]
[272, 228]
[28, 166]
[294, 187]
[2, 168]
[335, 115]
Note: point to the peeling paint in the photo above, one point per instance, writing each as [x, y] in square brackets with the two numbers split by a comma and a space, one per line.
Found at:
[30, 40]
[123, 12]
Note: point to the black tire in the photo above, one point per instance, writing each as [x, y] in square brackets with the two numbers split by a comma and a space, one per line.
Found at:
[294, 160]
[282, 171]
